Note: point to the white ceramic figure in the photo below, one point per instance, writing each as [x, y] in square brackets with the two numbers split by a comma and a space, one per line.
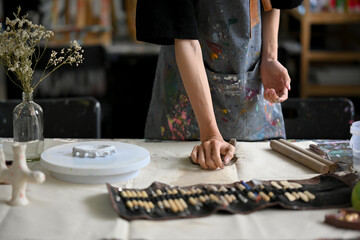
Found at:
[18, 174]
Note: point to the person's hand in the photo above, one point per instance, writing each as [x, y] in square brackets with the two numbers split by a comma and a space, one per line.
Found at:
[275, 79]
[208, 154]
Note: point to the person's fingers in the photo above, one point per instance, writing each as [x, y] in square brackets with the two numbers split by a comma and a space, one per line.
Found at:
[267, 94]
[274, 96]
[229, 152]
[271, 96]
[194, 154]
[216, 157]
[208, 158]
[201, 158]
[210, 163]
[284, 95]
[287, 80]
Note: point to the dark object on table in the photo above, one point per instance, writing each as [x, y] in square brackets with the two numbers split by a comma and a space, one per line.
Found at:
[345, 218]
[318, 118]
[337, 151]
[78, 117]
[162, 202]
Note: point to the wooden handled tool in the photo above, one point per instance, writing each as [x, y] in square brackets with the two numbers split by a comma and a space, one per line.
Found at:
[299, 157]
[332, 166]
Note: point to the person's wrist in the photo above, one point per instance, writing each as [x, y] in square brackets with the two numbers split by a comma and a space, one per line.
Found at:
[270, 51]
[270, 56]
[210, 133]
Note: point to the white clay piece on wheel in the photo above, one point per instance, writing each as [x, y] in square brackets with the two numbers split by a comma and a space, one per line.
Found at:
[87, 151]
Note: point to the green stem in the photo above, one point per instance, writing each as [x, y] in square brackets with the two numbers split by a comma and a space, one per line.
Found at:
[42, 78]
[40, 56]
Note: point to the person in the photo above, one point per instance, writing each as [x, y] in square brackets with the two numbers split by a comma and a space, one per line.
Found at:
[218, 76]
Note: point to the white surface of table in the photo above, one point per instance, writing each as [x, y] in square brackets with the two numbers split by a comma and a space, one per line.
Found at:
[62, 210]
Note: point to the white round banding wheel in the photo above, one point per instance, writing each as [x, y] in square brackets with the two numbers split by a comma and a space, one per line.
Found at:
[122, 165]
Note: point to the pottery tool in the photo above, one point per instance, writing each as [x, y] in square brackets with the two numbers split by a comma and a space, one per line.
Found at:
[158, 201]
[308, 196]
[332, 166]
[228, 196]
[247, 190]
[316, 149]
[242, 198]
[300, 157]
[260, 191]
[264, 188]
[162, 202]
[288, 195]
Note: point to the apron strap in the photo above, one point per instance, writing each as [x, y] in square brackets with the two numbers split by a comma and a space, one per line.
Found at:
[267, 5]
[254, 11]
[254, 14]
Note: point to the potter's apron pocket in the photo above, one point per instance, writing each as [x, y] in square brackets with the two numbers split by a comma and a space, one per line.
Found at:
[243, 85]
[235, 97]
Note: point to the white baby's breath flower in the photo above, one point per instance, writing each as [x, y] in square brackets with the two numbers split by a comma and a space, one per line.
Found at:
[18, 45]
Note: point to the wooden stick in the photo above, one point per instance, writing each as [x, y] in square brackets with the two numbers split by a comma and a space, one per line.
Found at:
[332, 166]
[299, 157]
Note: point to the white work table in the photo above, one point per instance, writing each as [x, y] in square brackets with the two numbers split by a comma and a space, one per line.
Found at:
[63, 210]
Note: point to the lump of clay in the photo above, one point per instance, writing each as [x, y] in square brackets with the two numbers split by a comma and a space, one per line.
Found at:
[87, 151]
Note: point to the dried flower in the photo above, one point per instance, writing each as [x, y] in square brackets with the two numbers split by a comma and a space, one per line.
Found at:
[20, 52]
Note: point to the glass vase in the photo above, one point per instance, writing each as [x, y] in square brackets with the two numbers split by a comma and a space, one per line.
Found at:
[28, 125]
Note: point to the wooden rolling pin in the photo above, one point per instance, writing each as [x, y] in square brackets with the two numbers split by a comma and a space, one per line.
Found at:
[332, 166]
[299, 157]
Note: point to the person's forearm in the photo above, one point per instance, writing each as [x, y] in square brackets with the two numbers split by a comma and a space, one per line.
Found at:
[190, 63]
[270, 29]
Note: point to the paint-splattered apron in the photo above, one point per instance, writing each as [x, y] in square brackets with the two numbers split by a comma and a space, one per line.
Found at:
[231, 45]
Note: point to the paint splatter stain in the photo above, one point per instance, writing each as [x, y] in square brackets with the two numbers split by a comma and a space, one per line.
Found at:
[215, 48]
[179, 119]
[251, 93]
[214, 56]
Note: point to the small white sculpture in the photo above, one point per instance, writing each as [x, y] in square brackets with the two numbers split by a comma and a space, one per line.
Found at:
[18, 174]
[88, 151]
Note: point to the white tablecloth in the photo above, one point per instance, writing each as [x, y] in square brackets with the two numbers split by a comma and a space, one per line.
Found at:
[62, 210]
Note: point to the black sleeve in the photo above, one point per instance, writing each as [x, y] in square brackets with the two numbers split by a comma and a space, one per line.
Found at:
[161, 21]
[285, 4]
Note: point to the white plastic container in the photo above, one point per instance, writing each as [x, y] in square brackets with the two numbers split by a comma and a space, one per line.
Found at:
[355, 139]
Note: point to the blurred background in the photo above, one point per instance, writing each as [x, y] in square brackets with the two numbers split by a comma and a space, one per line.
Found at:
[319, 43]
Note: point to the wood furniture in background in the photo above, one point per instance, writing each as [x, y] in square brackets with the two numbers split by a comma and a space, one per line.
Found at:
[309, 56]
[130, 9]
[89, 22]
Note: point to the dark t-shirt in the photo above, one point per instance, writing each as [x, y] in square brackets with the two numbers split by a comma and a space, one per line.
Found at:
[161, 21]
